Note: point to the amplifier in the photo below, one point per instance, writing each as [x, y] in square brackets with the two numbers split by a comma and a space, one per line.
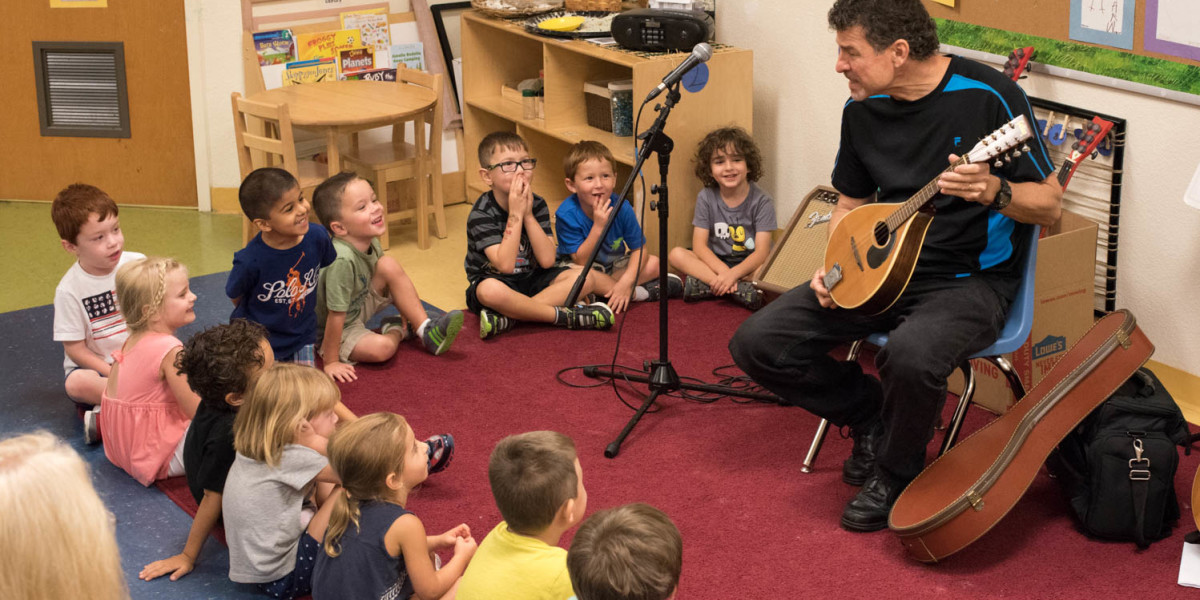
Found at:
[654, 30]
[800, 251]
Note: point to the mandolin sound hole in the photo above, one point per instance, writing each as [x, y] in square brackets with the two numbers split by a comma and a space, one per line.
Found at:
[881, 234]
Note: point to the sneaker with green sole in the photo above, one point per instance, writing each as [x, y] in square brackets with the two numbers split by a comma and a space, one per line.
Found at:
[694, 290]
[492, 324]
[749, 296]
[596, 315]
[441, 331]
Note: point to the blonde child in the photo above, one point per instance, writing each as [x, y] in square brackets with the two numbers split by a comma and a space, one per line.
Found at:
[732, 225]
[627, 271]
[631, 552]
[361, 281]
[57, 536]
[538, 486]
[87, 318]
[280, 435]
[147, 405]
[375, 547]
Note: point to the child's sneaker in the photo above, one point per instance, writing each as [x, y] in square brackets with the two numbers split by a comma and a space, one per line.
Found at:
[749, 296]
[91, 426]
[492, 324]
[441, 331]
[596, 315]
[441, 450]
[674, 288]
[694, 289]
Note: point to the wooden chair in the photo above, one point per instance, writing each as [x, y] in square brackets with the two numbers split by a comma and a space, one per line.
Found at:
[264, 139]
[399, 160]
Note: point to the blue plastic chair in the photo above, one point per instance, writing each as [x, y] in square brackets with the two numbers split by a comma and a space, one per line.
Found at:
[1014, 333]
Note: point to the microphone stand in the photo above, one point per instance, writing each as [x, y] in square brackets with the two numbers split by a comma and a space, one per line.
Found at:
[661, 376]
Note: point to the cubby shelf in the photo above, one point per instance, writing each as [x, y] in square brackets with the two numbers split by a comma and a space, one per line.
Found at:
[498, 52]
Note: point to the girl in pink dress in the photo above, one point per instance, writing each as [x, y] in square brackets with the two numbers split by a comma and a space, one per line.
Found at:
[147, 407]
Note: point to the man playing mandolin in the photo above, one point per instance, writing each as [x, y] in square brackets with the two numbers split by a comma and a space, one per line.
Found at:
[910, 109]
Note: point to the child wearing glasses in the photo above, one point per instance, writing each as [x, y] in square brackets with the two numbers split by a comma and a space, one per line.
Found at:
[511, 256]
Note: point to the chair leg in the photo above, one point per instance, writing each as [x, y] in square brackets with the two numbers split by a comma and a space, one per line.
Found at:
[439, 203]
[815, 447]
[422, 212]
[960, 411]
[823, 427]
[1014, 380]
[381, 192]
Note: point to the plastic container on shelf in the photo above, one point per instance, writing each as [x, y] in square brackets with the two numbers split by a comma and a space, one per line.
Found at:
[609, 105]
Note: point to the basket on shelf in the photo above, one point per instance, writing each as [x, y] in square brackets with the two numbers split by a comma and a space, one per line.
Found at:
[593, 5]
[507, 9]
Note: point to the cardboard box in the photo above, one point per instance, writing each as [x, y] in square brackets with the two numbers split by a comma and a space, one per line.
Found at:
[1063, 310]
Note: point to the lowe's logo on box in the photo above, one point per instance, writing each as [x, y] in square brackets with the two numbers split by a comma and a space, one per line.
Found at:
[1051, 344]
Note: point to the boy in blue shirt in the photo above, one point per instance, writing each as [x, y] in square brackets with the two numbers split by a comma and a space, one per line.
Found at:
[580, 220]
[274, 276]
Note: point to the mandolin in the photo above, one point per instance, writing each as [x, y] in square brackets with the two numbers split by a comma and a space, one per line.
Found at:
[1085, 146]
[871, 254]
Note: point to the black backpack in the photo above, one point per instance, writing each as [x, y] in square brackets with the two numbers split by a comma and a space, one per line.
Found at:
[1118, 466]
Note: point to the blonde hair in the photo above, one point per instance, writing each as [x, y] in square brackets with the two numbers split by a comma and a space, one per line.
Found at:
[532, 475]
[275, 403]
[141, 287]
[363, 454]
[57, 536]
[632, 552]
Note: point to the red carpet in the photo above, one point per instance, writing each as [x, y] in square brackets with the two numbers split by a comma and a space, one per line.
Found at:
[728, 474]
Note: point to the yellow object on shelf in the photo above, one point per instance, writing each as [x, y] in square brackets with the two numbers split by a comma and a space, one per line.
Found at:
[561, 24]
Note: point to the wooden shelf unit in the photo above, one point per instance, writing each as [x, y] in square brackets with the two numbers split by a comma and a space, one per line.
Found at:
[496, 52]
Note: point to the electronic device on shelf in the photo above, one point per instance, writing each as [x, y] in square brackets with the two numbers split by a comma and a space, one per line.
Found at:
[654, 30]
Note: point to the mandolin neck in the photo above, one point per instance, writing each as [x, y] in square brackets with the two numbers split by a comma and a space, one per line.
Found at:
[919, 199]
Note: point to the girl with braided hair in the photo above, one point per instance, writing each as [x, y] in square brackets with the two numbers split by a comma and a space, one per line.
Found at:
[374, 547]
[147, 405]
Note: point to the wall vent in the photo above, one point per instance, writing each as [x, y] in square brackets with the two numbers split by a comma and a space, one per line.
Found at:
[81, 89]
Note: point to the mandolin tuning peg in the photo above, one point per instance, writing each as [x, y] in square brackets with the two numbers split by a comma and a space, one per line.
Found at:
[1016, 154]
[999, 163]
[1025, 148]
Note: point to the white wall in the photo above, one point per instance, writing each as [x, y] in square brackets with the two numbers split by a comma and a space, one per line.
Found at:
[797, 109]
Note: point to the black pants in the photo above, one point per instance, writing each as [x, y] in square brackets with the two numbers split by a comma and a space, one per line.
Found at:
[934, 326]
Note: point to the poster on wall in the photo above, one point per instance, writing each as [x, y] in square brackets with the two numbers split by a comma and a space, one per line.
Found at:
[1173, 27]
[78, 3]
[1107, 22]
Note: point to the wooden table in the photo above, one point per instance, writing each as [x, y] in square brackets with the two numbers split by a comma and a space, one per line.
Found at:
[342, 107]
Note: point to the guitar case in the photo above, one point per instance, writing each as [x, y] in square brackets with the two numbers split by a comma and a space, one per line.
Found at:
[966, 491]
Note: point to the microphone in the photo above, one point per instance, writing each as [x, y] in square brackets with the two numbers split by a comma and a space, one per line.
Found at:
[700, 53]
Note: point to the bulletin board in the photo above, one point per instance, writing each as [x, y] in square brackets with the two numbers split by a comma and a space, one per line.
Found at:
[999, 26]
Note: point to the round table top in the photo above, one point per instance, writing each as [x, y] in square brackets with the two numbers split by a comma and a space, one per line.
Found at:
[333, 103]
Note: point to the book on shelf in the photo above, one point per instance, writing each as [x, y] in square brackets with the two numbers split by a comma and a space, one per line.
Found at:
[325, 44]
[274, 47]
[310, 71]
[374, 75]
[373, 25]
[411, 55]
[354, 60]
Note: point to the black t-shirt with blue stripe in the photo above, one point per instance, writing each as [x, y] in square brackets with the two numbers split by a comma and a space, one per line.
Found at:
[893, 148]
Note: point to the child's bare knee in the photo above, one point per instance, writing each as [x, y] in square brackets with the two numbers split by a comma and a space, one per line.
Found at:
[489, 292]
[678, 254]
[651, 268]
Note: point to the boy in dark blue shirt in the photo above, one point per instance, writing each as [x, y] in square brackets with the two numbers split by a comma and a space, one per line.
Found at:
[274, 276]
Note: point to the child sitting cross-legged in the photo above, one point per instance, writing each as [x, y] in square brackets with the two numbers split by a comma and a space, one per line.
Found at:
[631, 552]
[510, 259]
[374, 547]
[361, 281]
[627, 271]
[538, 486]
[732, 225]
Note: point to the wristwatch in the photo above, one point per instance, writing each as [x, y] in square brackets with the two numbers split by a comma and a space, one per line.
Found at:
[1003, 196]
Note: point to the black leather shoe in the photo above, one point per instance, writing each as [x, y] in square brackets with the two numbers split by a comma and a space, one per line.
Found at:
[861, 464]
[868, 511]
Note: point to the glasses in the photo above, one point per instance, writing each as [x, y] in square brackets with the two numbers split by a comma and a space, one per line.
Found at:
[510, 166]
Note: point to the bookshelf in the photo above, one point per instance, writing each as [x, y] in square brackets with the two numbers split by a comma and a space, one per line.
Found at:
[497, 51]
